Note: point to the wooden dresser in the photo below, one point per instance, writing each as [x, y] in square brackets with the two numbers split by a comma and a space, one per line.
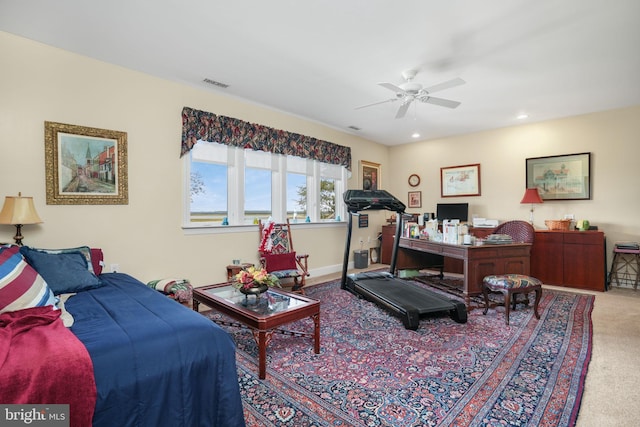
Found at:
[386, 246]
[574, 259]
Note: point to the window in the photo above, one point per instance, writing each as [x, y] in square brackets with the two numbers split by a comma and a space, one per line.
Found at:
[233, 186]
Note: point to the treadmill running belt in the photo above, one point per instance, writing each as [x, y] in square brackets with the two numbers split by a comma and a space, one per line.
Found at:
[404, 299]
[407, 294]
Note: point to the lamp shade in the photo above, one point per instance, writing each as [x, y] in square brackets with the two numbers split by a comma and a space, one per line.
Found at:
[531, 195]
[19, 210]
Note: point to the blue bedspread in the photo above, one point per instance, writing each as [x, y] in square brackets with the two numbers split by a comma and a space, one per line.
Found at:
[156, 362]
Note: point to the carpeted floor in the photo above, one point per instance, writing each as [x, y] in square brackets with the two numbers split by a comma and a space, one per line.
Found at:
[373, 372]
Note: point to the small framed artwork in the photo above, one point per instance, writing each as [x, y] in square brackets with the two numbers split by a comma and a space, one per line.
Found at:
[370, 175]
[565, 177]
[415, 199]
[363, 220]
[456, 181]
[85, 166]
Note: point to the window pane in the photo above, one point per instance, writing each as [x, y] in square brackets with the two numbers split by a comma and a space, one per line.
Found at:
[327, 198]
[257, 194]
[208, 188]
[296, 196]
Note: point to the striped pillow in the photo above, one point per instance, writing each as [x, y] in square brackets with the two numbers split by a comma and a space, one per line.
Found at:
[20, 285]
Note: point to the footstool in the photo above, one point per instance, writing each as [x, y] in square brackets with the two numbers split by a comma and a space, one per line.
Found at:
[511, 285]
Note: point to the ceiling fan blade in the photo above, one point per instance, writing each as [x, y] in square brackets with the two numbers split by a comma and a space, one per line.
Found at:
[376, 103]
[444, 85]
[439, 101]
[391, 86]
[403, 109]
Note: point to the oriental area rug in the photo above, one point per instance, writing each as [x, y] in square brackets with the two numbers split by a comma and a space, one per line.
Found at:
[371, 371]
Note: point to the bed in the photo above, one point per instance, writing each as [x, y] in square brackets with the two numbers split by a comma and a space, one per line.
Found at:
[153, 361]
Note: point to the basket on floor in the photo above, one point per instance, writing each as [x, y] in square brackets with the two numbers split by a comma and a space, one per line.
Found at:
[557, 224]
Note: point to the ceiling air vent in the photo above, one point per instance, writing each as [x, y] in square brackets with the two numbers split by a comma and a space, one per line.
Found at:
[215, 83]
[354, 128]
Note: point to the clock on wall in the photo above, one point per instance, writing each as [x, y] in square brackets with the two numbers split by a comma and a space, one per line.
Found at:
[414, 180]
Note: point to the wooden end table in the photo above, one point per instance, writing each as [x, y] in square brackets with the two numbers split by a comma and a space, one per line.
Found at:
[233, 269]
[273, 309]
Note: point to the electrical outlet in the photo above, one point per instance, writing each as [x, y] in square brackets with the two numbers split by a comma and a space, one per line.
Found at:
[369, 239]
[115, 268]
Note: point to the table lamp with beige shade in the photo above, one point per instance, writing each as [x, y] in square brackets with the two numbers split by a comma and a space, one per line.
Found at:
[19, 211]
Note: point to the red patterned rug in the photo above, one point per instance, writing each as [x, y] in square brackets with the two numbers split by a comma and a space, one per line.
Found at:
[373, 372]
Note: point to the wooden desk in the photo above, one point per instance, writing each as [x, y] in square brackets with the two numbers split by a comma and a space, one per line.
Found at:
[478, 261]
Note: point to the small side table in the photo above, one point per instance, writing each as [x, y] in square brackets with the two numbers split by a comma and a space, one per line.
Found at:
[233, 269]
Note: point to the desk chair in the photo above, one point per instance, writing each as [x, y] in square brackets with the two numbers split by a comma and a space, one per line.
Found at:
[279, 258]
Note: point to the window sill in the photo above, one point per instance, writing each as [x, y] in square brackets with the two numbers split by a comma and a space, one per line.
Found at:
[222, 229]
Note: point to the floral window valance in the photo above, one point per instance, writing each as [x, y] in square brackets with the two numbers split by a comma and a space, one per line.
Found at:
[205, 126]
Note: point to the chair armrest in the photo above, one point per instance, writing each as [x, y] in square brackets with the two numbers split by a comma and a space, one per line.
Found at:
[301, 260]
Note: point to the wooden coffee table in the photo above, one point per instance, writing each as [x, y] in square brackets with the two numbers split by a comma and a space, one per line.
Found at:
[273, 309]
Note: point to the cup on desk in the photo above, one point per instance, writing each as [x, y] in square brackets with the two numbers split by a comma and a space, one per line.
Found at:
[466, 239]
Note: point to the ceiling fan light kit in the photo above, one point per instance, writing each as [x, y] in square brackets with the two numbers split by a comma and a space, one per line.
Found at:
[410, 91]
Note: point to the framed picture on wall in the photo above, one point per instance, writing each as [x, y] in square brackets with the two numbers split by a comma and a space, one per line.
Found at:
[370, 175]
[85, 166]
[565, 177]
[456, 181]
[415, 199]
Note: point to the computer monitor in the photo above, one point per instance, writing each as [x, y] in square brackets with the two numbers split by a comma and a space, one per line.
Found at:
[452, 211]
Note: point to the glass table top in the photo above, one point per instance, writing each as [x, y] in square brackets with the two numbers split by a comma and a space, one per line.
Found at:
[269, 302]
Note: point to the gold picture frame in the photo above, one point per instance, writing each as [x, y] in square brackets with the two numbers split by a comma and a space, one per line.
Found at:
[84, 165]
[370, 175]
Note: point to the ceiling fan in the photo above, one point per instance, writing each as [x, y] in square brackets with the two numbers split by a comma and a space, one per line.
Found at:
[410, 91]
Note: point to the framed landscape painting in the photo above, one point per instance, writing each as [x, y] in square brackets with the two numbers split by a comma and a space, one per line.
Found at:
[456, 181]
[85, 166]
[565, 177]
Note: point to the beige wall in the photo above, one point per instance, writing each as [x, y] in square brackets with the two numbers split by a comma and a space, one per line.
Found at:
[611, 137]
[39, 83]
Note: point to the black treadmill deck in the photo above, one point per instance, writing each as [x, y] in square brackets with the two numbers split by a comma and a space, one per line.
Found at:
[404, 299]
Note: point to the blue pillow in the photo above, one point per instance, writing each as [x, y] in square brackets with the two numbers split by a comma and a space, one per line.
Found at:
[65, 272]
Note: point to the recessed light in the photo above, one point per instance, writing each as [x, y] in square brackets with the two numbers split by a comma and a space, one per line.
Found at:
[415, 135]
[522, 116]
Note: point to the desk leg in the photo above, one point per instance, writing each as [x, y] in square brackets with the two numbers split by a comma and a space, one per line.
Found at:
[316, 333]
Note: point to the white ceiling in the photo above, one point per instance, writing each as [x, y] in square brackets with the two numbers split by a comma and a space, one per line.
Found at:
[320, 59]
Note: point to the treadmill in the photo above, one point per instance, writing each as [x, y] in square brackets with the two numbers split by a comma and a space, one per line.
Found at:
[404, 299]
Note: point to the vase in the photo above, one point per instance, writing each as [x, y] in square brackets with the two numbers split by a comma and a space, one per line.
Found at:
[255, 290]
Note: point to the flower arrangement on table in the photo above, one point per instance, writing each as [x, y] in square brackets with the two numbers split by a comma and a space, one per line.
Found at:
[255, 278]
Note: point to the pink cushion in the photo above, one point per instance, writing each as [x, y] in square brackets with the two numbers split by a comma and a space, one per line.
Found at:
[278, 262]
[511, 281]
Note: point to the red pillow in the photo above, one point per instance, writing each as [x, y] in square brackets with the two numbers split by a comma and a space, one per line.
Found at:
[96, 260]
[279, 262]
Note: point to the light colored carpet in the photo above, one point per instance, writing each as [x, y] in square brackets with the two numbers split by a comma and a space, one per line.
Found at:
[612, 388]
